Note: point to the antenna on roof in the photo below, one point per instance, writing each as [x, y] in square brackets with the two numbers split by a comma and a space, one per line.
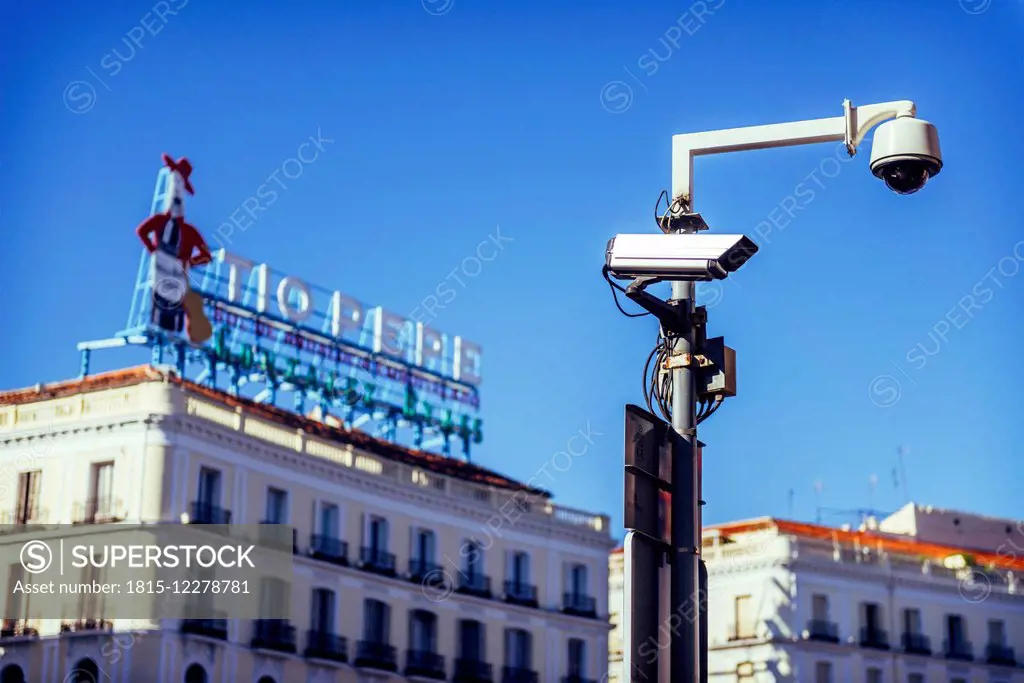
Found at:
[818, 486]
[792, 495]
[873, 484]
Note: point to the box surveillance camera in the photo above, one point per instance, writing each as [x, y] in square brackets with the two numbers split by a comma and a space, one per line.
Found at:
[677, 257]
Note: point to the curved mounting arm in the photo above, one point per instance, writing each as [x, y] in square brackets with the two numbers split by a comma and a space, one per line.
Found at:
[850, 128]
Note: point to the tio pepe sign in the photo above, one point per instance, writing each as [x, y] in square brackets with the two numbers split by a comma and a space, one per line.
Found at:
[344, 318]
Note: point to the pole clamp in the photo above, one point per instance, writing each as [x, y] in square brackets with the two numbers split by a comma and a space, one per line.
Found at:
[689, 431]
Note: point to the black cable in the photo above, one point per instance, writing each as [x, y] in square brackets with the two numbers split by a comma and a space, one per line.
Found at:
[615, 297]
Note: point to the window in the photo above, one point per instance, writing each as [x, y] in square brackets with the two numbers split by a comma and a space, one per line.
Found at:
[17, 604]
[275, 594]
[28, 497]
[471, 640]
[196, 674]
[819, 607]
[955, 631]
[376, 622]
[912, 622]
[996, 632]
[519, 568]
[577, 658]
[823, 672]
[871, 618]
[329, 520]
[12, 673]
[422, 631]
[472, 559]
[209, 487]
[277, 506]
[744, 615]
[915, 678]
[322, 611]
[423, 543]
[874, 675]
[745, 672]
[377, 535]
[577, 583]
[101, 504]
[85, 671]
[518, 648]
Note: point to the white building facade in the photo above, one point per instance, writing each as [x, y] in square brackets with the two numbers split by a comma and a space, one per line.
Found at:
[373, 523]
[798, 602]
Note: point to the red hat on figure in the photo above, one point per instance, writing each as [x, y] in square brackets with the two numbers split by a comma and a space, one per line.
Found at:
[183, 168]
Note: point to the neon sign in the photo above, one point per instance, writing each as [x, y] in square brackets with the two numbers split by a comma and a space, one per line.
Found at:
[343, 318]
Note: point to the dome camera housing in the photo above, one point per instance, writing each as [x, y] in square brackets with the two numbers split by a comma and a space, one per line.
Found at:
[905, 154]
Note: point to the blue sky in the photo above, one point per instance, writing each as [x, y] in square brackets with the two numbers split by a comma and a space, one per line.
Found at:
[451, 118]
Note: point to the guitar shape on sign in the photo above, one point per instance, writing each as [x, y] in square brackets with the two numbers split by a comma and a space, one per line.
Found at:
[176, 245]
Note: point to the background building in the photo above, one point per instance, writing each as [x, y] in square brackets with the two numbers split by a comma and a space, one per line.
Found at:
[923, 596]
[405, 563]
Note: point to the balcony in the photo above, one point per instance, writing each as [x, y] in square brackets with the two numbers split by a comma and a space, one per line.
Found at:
[279, 536]
[1000, 655]
[579, 605]
[203, 512]
[328, 549]
[916, 644]
[377, 561]
[86, 626]
[22, 521]
[474, 584]
[326, 646]
[822, 630]
[958, 649]
[210, 628]
[874, 638]
[515, 674]
[424, 572]
[103, 510]
[424, 664]
[371, 654]
[472, 671]
[518, 593]
[16, 628]
[276, 635]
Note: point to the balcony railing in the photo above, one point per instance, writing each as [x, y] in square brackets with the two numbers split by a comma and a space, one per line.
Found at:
[86, 626]
[819, 629]
[916, 644]
[327, 646]
[424, 664]
[579, 605]
[20, 521]
[101, 510]
[372, 654]
[377, 561]
[273, 634]
[515, 674]
[520, 593]
[874, 638]
[472, 671]
[1001, 655]
[203, 512]
[538, 507]
[961, 650]
[16, 628]
[328, 549]
[210, 628]
[279, 536]
[475, 584]
[421, 571]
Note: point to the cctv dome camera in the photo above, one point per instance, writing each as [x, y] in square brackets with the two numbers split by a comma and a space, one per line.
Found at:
[905, 154]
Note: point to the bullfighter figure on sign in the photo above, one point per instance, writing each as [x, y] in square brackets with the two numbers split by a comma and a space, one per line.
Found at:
[176, 245]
